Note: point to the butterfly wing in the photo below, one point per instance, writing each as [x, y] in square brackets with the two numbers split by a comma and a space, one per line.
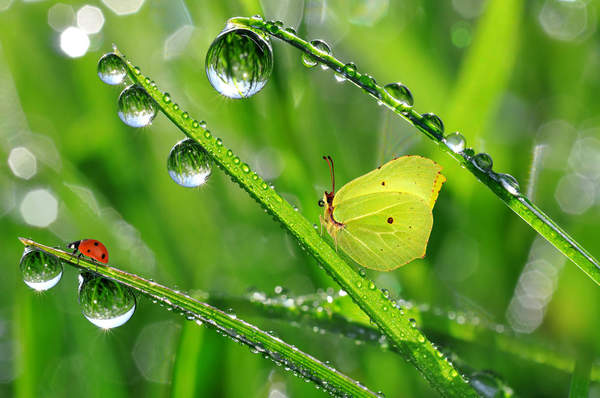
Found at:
[385, 230]
[416, 175]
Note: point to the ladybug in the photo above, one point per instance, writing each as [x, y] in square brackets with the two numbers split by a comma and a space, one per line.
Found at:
[90, 248]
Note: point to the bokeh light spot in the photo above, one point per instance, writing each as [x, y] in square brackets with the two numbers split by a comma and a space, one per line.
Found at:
[90, 19]
[60, 16]
[124, 7]
[566, 20]
[575, 194]
[22, 162]
[39, 208]
[74, 42]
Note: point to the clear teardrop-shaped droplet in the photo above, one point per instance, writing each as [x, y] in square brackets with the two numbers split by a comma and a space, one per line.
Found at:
[136, 107]
[400, 92]
[349, 70]
[434, 120]
[509, 183]
[41, 271]
[310, 61]
[239, 62]
[111, 69]
[105, 303]
[339, 77]
[483, 161]
[189, 164]
[469, 152]
[456, 142]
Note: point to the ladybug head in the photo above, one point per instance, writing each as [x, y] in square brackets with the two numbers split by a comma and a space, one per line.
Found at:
[74, 245]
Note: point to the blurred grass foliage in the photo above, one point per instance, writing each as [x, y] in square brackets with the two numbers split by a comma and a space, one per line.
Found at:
[524, 79]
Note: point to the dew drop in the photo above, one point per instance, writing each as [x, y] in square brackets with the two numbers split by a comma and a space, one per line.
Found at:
[362, 272]
[229, 153]
[434, 120]
[219, 142]
[339, 77]
[41, 271]
[189, 164]
[290, 30]
[400, 92]
[309, 60]
[195, 124]
[483, 161]
[105, 303]
[207, 134]
[421, 338]
[167, 97]
[175, 107]
[136, 107]
[371, 285]
[239, 62]
[111, 69]
[349, 70]
[245, 168]
[468, 152]
[489, 385]
[185, 115]
[509, 183]
[456, 142]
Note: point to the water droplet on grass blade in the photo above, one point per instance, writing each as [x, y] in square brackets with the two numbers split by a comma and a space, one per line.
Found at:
[483, 161]
[349, 69]
[239, 62]
[310, 61]
[509, 183]
[456, 142]
[434, 120]
[400, 92]
[136, 107]
[189, 164]
[105, 303]
[41, 271]
[111, 69]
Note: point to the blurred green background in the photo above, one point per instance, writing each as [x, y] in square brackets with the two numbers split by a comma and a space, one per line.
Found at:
[518, 78]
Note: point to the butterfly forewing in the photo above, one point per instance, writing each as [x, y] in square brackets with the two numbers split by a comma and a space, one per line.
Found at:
[410, 174]
[384, 230]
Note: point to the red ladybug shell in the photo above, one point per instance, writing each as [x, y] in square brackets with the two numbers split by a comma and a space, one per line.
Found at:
[91, 248]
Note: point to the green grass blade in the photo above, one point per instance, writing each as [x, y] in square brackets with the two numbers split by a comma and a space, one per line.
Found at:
[580, 381]
[307, 366]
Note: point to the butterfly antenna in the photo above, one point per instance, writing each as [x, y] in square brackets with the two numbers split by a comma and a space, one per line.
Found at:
[331, 171]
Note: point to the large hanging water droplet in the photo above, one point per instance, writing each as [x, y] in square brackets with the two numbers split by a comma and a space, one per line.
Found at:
[400, 92]
[456, 142]
[111, 69]
[509, 183]
[136, 107]
[489, 385]
[434, 120]
[41, 271]
[239, 62]
[105, 303]
[189, 164]
[483, 161]
[310, 61]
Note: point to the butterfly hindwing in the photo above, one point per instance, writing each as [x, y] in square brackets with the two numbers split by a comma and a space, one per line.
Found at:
[410, 174]
[384, 230]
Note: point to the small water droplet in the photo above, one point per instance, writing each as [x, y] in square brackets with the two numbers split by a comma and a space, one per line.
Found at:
[413, 322]
[111, 69]
[349, 70]
[456, 142]
[175, 107]
[105, 303]
[185, 116]
[195, 124]
[41, 271]
[509, 183]
[245, 168]
[167, 97]
[137, 70]
[339, 77]
[290, 30]
[362, 272]
[219, 142]
[309, 60]
[136, 107]
[189, 164]
[401, 93]
[236, 160]
[483, 161]
[371, 285]
[434, 120]
[421, 338]
[469, 152]
[207, 135]
[239, 62]
[359, 284]
[229, 153]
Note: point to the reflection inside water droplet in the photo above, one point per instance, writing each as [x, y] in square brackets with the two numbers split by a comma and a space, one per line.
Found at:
[483, 161]
[509, 183]
[310, 61]
[136, 107]
[41, 271]
[456, 142]
[434, 120]
[111, 69]
[400, 92]
[239, 62]
[105, 303]
[189, 164]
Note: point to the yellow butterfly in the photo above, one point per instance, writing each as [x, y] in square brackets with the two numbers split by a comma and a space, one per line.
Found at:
[383, 219]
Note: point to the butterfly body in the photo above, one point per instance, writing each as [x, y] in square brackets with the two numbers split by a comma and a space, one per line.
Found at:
[383, 219]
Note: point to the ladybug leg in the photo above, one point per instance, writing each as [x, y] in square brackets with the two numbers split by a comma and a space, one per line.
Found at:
[78, 257]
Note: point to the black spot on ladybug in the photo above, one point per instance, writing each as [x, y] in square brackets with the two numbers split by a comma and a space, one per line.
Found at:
[103, 255]
[382, 182]
[390, 220]
[88, 250]
[95, 243]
